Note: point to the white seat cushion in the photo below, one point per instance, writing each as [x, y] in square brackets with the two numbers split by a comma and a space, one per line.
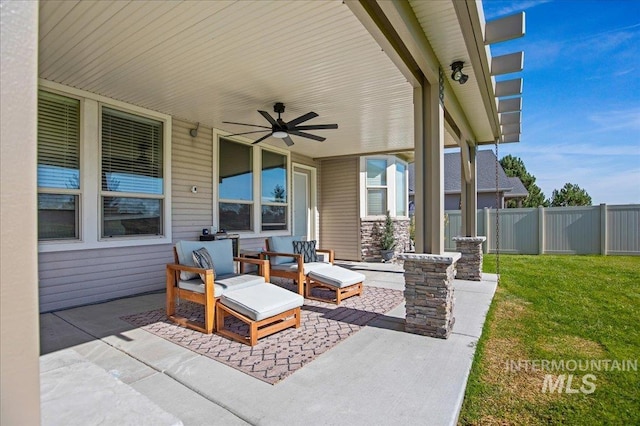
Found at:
[293, 267]
[260, 302]
[223, 283]
[336, 276]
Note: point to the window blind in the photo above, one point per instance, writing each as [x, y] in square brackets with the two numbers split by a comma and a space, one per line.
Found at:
[58, 141]
[132, 156]
[376, 202]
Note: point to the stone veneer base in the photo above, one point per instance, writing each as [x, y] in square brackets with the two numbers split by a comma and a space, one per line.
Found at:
[429, 293]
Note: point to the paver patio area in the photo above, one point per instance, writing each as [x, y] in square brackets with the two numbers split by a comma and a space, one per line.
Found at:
[379, 375]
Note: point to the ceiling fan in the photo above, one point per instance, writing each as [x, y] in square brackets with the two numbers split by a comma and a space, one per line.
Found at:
[282, 130]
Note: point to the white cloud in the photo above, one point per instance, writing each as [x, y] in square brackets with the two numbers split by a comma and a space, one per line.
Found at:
[611, 179]
[511, 7]
[563, 149]
[617, 120]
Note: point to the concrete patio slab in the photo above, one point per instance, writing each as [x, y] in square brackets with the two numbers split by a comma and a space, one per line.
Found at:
[75, 391]
[380, 375]
[184, 403]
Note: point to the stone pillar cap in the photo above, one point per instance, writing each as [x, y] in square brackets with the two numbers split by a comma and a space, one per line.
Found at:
[447, 257]
[478, 239]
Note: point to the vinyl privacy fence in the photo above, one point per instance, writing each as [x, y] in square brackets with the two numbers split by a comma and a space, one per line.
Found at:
[599, 229]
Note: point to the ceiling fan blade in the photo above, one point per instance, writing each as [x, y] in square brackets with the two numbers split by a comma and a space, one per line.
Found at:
[246, 133]
[268, 117]
[316, 127]
[245, 124]
[288, 140]
[302, 118]
[262, 138]
[306, 135]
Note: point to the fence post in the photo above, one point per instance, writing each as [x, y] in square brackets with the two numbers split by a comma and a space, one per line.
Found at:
[603, 229]
[541, 241]
[487, 231]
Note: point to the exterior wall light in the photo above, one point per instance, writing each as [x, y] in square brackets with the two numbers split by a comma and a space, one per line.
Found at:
[457, 74]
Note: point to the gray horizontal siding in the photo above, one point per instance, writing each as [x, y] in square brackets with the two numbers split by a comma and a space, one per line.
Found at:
[339, 208]
[191, 164]
[74, 278]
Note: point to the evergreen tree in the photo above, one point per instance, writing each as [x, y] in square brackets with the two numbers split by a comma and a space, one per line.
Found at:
[570, 195]
[514, 166]
[387, 239]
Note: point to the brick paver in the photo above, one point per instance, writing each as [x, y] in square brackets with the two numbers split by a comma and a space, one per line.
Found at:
[275, 357]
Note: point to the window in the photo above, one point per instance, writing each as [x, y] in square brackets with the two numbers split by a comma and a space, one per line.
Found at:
[384, 185]
[401, 189]
[376, 187]
[103, 172]
[58, 167]
[132, 174]
[274, 191]
[253, 188]
[235, 187]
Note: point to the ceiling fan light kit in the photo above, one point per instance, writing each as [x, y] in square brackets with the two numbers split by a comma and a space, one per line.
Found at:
[282, 130]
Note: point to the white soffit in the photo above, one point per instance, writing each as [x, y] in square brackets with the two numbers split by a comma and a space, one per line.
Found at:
[440, 24]
[210, 62]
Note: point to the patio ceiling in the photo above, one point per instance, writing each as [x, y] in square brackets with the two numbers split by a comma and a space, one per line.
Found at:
[218, 61]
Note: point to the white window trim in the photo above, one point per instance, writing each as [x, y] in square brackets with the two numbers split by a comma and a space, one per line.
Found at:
[314, 220]
[257, 231]
[90, 160]
[390, 187]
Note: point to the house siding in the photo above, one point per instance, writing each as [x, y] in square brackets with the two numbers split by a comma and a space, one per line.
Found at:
[192, 164]
[339, 207]
[74, 278]
[79, 277]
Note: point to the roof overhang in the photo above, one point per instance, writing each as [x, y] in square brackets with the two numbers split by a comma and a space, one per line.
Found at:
[209, 62]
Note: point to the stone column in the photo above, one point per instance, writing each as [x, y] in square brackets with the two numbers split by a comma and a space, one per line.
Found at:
[429, 293]
[470, 264]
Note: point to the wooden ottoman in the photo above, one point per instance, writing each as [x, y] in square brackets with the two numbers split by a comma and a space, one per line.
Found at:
[344, 282]
[266, 308]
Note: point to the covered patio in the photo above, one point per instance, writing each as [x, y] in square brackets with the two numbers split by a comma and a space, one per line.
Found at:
[379, 375]
[383, 71]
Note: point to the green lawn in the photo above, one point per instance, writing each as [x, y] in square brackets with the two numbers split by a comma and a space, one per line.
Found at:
[558, 308]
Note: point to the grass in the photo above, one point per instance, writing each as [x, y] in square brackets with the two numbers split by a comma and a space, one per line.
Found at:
[558, 308]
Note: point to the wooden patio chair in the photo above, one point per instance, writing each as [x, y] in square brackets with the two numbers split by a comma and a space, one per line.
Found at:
[204, 286]
[284, 263]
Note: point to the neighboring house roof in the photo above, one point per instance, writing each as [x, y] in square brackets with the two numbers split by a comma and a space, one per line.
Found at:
[486, 175]
[518, 191]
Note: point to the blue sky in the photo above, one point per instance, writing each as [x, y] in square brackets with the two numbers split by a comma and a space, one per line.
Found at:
[581, 97]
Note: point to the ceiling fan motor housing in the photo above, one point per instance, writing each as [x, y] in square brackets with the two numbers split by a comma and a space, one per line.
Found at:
[278, 107]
